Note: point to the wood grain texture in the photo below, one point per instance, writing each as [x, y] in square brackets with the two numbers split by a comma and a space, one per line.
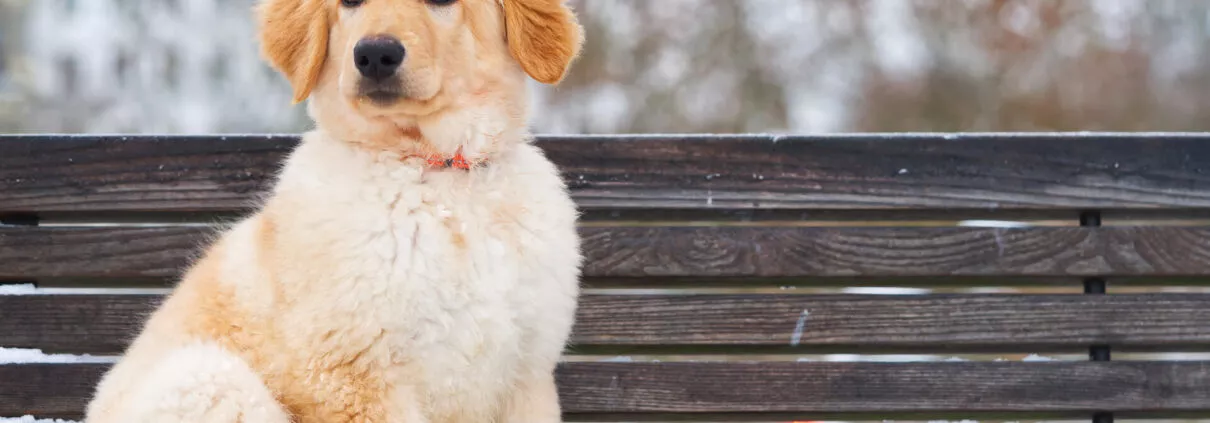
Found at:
[43, 390]
[87, 324]
[691, 389]
[136, 173]
[30, 253]
[862, 172]
[1020, 323]
[881, 387]
[104, 324]
[895, 252]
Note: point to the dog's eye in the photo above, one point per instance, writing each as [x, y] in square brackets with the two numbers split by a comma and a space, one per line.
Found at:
[351, 3]
[440, 2]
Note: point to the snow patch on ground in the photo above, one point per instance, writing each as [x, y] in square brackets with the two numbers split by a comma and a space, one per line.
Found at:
[30, 289]
[1035, 357]
[20, 289]
[884, 290]
[993, 224]
[619, 359]
[28, 356]
[31, 419]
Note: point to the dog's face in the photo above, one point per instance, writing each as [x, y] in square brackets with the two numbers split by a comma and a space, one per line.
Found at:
[371, 61]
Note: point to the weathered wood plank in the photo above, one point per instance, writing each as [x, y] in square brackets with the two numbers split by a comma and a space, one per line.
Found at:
[702, 389]
[722, 252]
[29, 253]
[104, 324]
[88, 324]
[136, 173]
[44, 390]
[895, 252]
[865, 172]
[1020, 323]
[879, 387]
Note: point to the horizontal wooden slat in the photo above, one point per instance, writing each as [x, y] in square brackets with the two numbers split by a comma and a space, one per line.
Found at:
[703, 389]
[92, 173]
[28, 253]
[896, 252]
[95, 324]
[44, 390]
[104, 324]
[1022, 323]
[865, 172]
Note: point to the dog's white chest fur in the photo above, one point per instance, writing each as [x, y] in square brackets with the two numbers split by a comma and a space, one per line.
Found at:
[452, 283]
[368, 290]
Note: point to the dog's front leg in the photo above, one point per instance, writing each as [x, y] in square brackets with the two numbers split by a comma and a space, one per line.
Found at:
[535, 400]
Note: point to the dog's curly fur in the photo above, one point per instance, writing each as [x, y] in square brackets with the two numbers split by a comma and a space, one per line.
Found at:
[368, 286]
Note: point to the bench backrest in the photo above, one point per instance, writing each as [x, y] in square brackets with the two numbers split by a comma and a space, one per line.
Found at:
[728, 276]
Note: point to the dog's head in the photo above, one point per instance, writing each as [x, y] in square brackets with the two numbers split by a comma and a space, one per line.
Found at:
[401, 63]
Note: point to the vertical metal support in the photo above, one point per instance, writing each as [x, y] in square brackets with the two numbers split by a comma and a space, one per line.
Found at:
[1096, 286]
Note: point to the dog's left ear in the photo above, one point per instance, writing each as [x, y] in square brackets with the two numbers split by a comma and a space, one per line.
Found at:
[294, 40]
[544, 36]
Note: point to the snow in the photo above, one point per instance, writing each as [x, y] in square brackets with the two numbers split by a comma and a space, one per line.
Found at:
[31, 419]
[1035, 357]
[618, 359]
[21, 289]
[884, 290]
[30, 289]
[993, 224]
[26, 356]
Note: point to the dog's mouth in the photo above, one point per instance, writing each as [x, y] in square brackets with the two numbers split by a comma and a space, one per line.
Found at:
[381, 93]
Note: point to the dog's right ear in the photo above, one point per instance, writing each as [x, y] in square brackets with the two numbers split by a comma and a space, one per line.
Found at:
[544, 36]
[294, 40]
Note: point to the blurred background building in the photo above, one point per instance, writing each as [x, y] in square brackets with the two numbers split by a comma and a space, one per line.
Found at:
[192, 66]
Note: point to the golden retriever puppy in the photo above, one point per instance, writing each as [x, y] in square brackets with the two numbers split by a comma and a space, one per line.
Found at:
[416, 260]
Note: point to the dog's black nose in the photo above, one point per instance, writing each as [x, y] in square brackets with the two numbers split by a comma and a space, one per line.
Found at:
[378, 57]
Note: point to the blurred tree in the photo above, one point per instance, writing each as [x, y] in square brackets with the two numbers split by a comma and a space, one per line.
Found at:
[10, 102]
[672, 66]
[1050, 65]
[890, 65]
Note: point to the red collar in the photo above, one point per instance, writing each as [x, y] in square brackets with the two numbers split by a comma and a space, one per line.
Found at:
[458, 161]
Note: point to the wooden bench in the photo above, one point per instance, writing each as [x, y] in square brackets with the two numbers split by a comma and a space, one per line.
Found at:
[717, 269]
